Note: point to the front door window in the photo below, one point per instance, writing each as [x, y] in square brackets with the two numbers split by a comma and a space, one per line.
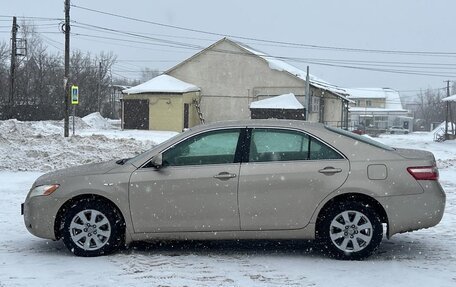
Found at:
[217, 147]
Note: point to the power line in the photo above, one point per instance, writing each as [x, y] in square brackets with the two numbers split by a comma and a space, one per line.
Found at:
[51, 41]
[424, 65]
[411, 67]
[92, 39]
[155, 34]
[370, 64]
[130, 41]
[149, 61]
[300, 60]
[402, 52]
[136, 35]
[31, 18]
[351, 65]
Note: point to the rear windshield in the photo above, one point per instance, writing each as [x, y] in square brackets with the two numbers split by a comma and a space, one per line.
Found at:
[357, 137]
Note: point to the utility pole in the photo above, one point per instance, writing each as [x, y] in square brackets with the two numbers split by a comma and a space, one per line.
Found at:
[67, 69]
[447, 111]
[13, 64]
[307, 97]
[99, 87]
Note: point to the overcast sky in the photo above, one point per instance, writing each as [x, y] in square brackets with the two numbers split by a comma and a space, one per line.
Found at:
[389, 25]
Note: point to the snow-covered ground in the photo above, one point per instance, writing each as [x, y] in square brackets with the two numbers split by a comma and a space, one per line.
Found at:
[39, 146]
[422, 258]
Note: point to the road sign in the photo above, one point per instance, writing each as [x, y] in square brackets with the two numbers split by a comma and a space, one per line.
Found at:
[74, 95]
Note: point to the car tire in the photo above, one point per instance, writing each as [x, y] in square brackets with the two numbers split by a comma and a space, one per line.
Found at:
[92, 228]
[349, 231]
[392, 133]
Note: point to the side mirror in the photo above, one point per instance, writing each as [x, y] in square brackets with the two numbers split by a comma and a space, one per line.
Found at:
[157, 161]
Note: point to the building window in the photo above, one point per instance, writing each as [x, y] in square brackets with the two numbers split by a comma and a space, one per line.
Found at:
[315, 105]
[368, 103]
[381, 122]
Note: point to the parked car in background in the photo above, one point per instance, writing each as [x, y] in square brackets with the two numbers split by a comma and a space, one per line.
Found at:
[360, 130]
[398, 130]
[259, 179]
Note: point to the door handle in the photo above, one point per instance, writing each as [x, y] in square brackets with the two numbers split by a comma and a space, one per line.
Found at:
[225, 175]
[330, 170]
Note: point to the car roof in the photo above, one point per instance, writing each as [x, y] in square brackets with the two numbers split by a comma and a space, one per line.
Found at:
[342, 141]
[260, 123]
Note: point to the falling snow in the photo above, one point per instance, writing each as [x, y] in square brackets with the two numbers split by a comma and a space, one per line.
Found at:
[422, 258]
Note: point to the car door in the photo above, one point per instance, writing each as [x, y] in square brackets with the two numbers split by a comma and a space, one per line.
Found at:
[287, 175]
[194, 190]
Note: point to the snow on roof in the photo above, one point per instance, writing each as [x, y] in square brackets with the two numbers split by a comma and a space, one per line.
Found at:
[368, 93]
[392, 98]
[123, 87]
[450, 99]
[280, 65]
[287, 101]
[163, 84]
[375, 110]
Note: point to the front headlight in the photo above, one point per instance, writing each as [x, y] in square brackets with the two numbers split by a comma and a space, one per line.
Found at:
[44, 190]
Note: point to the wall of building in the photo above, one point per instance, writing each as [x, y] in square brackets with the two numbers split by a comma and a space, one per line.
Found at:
[230, 81]
[333, 111]
[188, 98]
[374, 103]
[380, 120]
[165, 110]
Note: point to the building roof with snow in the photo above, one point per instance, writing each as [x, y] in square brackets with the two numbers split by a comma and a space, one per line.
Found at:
[287, 101]
[163, 84]
[450, 99]
[279, 65]
[391, 97]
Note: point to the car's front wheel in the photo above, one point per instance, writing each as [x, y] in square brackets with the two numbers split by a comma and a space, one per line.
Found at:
[350, 231]
[92, 228]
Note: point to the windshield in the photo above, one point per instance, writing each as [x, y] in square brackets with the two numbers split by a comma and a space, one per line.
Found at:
[360, 138]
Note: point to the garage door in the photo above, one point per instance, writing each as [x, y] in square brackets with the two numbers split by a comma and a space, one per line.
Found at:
[136, 114]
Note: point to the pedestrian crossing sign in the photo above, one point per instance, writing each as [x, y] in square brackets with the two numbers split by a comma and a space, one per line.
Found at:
[74, 95]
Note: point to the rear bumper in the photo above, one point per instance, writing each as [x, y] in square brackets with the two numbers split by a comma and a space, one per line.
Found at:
[412, 212]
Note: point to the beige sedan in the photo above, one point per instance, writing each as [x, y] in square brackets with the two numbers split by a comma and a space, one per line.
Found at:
[262, 179]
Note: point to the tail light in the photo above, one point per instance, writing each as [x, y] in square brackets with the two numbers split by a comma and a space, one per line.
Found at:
[424, 172]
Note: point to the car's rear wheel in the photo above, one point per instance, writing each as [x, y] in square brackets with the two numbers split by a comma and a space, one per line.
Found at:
[350, 231]
[92, 228]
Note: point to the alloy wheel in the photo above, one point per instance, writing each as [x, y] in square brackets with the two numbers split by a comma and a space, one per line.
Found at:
[90, 229]
[351, 231]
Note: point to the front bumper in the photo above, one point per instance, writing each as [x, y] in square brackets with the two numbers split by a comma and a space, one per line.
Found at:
[412, 212]
[39, 215]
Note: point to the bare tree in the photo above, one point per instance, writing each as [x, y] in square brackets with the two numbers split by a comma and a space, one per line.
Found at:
[39, 93]
[430, 107]
[4, 73]
[147, 74]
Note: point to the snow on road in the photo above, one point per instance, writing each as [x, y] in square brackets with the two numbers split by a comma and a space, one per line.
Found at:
[422, 258]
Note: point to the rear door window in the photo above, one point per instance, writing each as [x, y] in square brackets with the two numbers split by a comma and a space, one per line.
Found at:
[287, 145]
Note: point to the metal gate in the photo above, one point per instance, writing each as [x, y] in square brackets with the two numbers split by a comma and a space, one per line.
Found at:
[136, 114]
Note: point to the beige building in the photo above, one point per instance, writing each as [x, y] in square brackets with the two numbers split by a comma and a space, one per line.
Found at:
[163, 103]
[232, 75]
[377, 109]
